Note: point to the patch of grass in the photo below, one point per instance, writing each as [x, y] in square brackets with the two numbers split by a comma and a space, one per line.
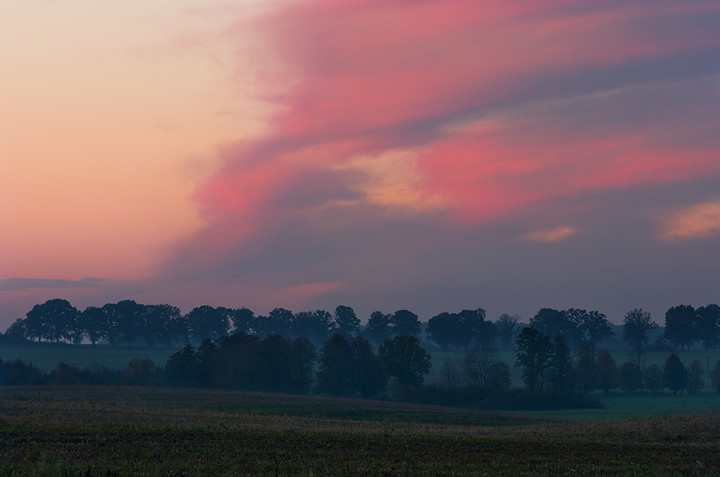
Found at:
[641, 406]
[47, 355]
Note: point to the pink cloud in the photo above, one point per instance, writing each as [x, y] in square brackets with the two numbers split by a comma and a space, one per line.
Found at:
[369, 76]
[556, 234]
[487, 108]
[696, 221]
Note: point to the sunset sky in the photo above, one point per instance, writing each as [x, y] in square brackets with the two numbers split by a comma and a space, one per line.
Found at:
[381, 154]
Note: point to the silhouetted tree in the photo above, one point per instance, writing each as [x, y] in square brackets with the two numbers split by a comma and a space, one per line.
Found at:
[498, 377]
[533, 357]
[242, 320]
[278, 322]
[274, 359]
[635, 326]
[369, 378]
[476, 366]
[207, 322]
[591, 326]
[378, 328]
[405, 323]
[92, 319]
[157, 322]
[208, 364]
[708, 325]
[54, 320]
[445, 330]
[17, 331]
[335, 370]
[561, 366]
[607, 371]
[674, 373]
[653, 378]
[111, 322]
[182, 368]
[695, 379]
[480, 332]
[131, 320]
[585, 367]
[630, 376]
[302, 365]
[508, 327]
[345, 322]
[680, 325]
[554, 323]
[403, 358]
[450, 374]
[314, 325]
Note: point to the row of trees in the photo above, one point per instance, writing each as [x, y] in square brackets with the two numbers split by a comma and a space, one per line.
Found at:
[685, 325]
[130, 322]
[547, 365]
[342, 367]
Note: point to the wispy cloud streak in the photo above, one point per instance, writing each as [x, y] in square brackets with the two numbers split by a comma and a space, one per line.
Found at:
[13, 284]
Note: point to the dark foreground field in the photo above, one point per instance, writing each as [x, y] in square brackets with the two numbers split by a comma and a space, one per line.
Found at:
[160, 431]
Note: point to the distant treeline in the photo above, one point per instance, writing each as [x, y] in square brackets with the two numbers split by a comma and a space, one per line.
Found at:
[554, 377]
[130, 323]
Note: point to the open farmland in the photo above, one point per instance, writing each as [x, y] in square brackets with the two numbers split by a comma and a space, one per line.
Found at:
[159, 431]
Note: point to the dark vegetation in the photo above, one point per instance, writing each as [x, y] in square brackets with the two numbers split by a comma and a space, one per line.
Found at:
[332, 354]
[100, 431]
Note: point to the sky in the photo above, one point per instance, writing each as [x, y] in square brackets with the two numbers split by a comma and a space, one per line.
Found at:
[427, 155]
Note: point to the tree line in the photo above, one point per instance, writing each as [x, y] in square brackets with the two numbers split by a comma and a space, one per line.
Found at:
[128, 322]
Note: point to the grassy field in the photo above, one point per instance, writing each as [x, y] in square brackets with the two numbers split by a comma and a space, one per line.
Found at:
[46, 356]
[159, 431]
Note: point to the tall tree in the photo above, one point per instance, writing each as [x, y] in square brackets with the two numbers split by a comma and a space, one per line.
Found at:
[592, 326]
[161, 325]
[242, 320]
[335, 367]
[695, 379]
[674, 373]
[708, 325]
[533, 357]
[635, 326]
[508, 327]
[607, 371]
[406, 323]
[554, 323]
[630, 376]
[652, 378]
[680, 322]
[403, 358]
[92, 319]
[369, 378]
[585, 368]
[302, 365]
[445, 330]
[111, 322]
[345, 321]
[131, 320]
[561, 374]
[378, 328]
[207, 322]
[477, 331]
[53, 320]
[277, 322]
